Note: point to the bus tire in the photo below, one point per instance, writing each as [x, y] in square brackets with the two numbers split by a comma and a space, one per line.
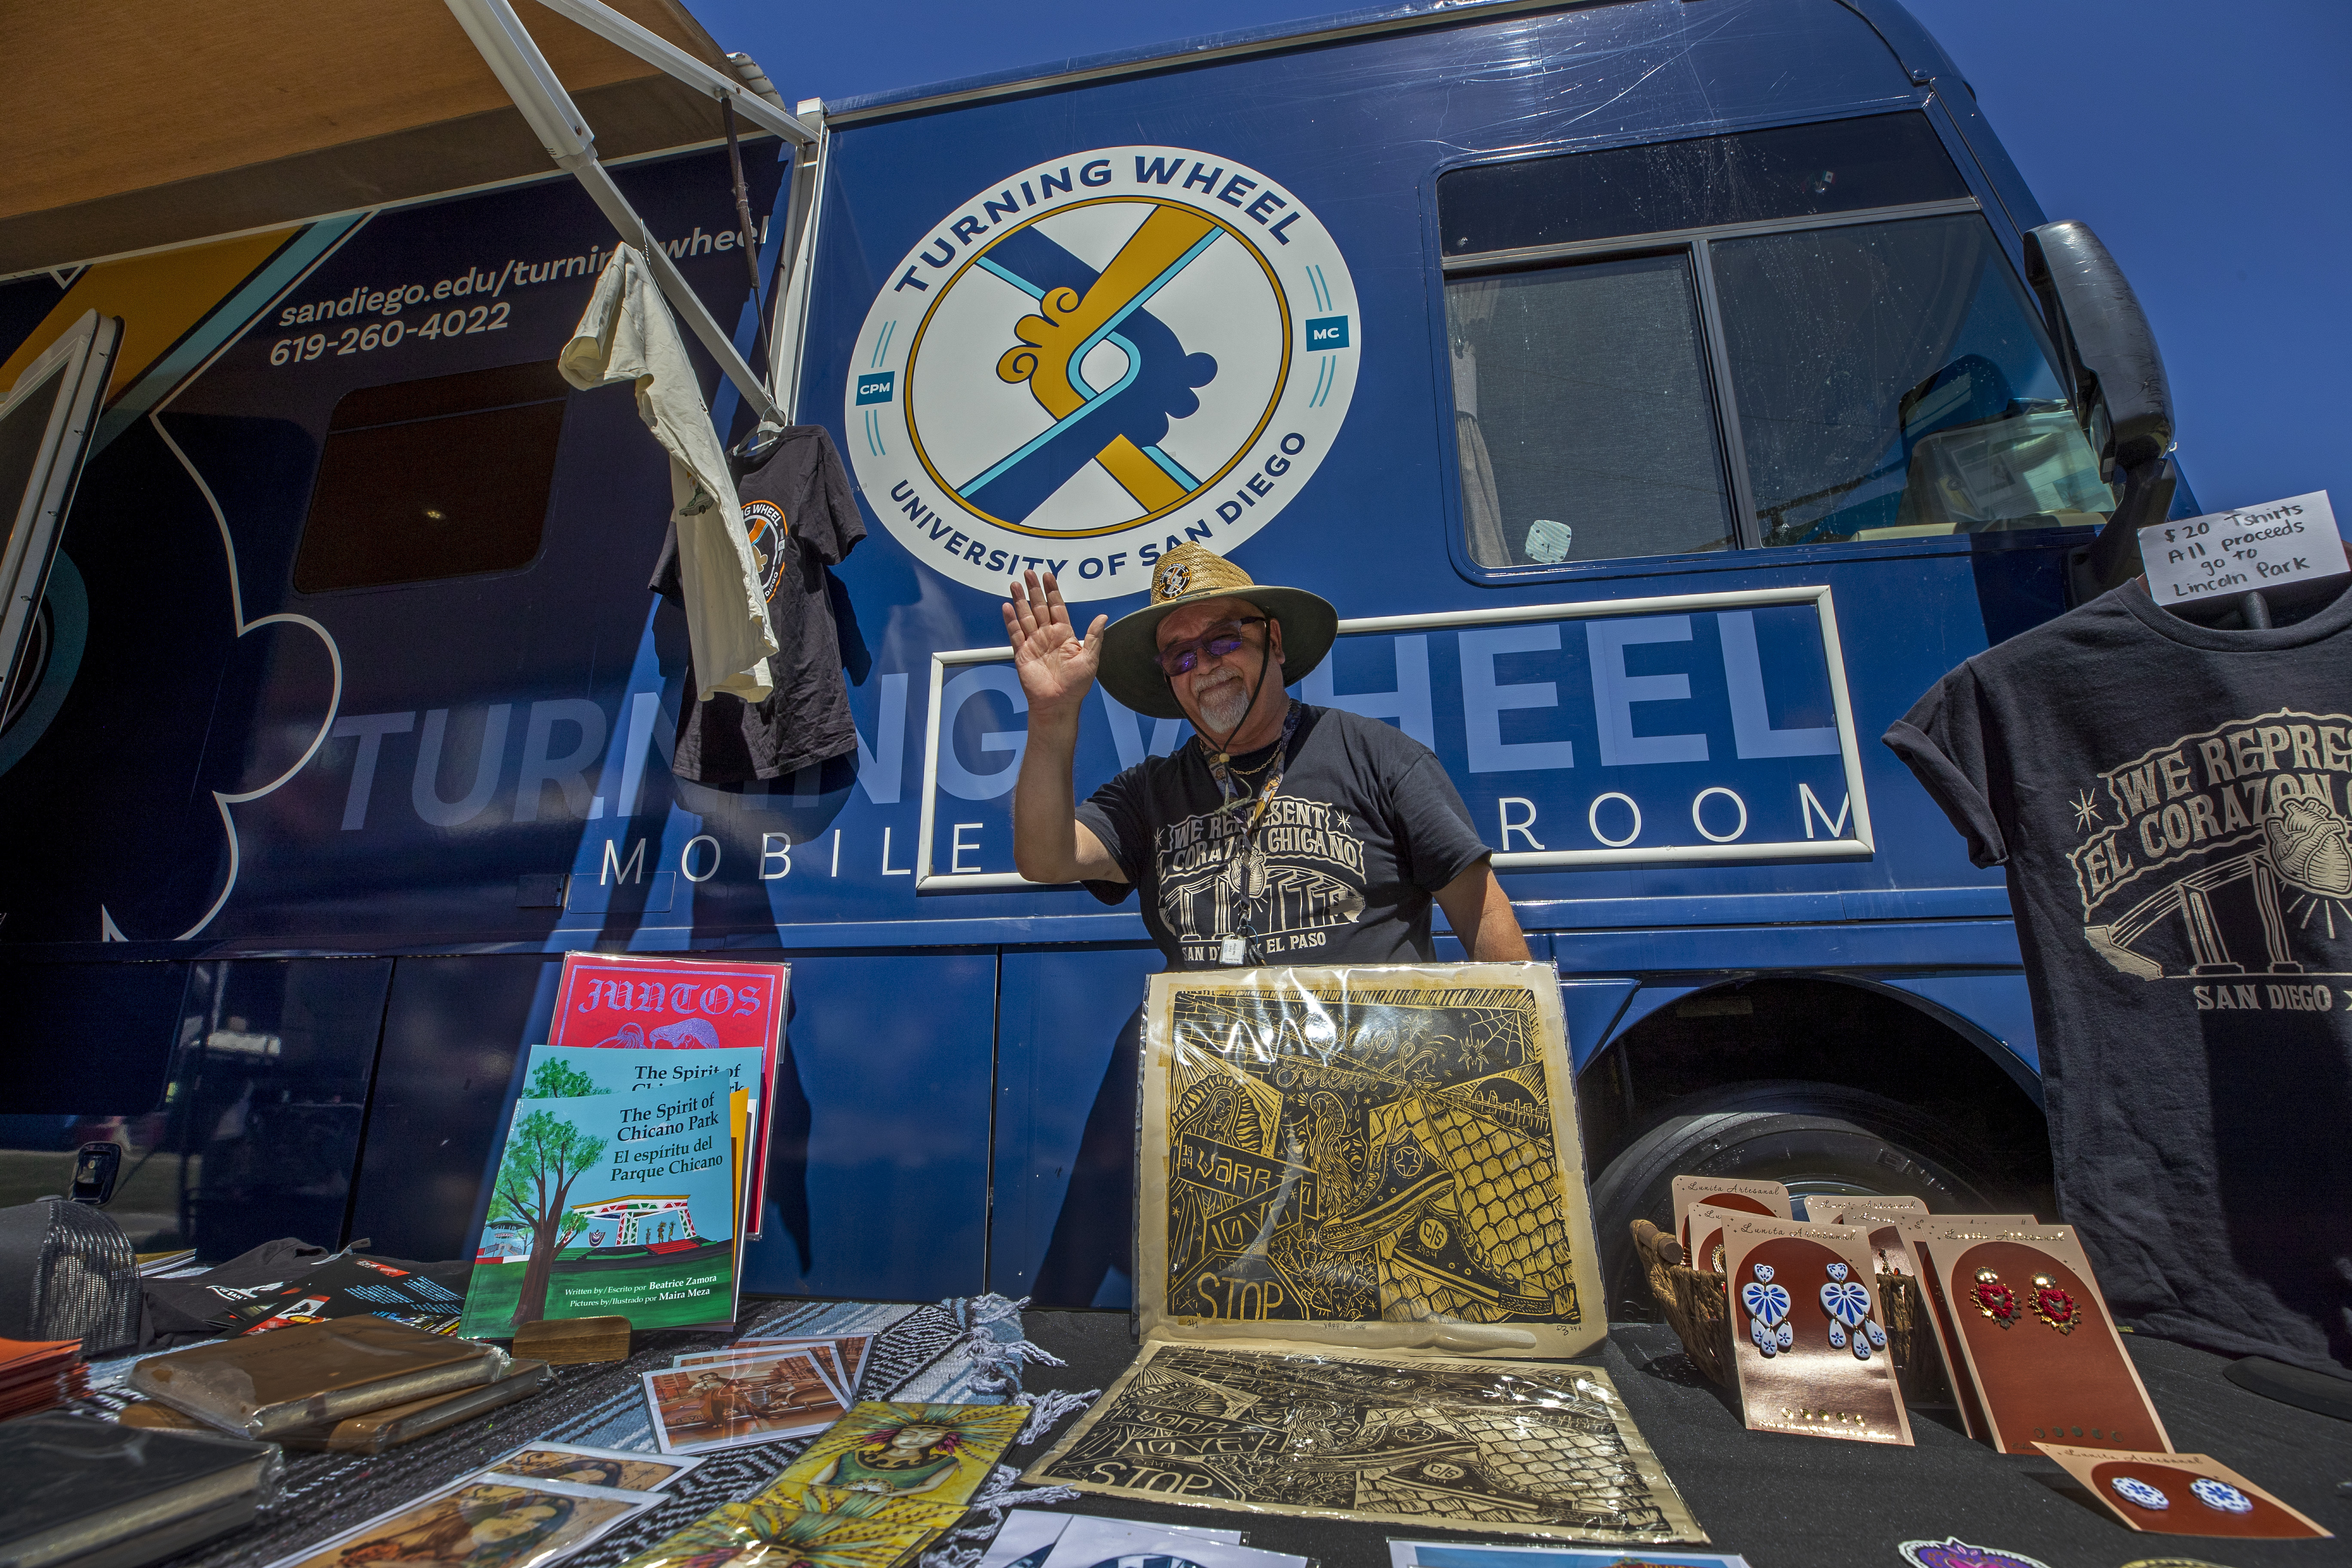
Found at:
[1817, 1136]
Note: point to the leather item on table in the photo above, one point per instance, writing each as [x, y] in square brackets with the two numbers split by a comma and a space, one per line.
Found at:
[259, 1385]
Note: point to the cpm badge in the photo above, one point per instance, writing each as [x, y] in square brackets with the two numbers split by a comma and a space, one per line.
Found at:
[1100, 357]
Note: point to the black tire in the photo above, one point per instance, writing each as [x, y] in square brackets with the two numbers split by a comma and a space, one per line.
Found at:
[1815, 1137]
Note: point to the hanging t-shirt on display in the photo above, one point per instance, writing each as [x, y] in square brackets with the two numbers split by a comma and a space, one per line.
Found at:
[802, 518]
[1363, 830]
[2169, 801]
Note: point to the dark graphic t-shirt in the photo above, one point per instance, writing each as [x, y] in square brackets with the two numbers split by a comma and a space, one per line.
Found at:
[1365, 828]
[2169, 802]
[802, 518]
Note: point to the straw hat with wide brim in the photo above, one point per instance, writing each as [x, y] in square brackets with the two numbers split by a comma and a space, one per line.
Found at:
[1187, 575]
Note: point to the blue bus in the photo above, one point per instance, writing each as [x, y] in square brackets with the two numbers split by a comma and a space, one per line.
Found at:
[1666, 394]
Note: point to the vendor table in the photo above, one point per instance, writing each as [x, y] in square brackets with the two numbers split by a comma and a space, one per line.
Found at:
[1782, 1501]
[1786, 1501]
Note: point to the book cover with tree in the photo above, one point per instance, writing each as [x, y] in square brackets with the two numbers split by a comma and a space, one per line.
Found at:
[615, 1193]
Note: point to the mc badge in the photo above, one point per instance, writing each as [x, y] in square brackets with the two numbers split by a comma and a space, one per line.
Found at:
[1098, 358]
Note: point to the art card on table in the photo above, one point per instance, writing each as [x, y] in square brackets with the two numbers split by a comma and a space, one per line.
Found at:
[841, 1360]
[2027, 1338]
[615, 1468]
[616, 1194]
[1268, 1426]
[623, 1001]
[474, 1522]
[1468, 1555]
[1768, 1198]
[849, 1350]
[1120, 1543]
[769, 1535]
[923, 1460]
[1381, 1157]
[1808, 1334]
[698, 1409]
[746, 1364]
[1029, 1535]
[2182, 1494]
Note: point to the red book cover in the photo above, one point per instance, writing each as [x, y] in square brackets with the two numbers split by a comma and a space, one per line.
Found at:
[612, 999]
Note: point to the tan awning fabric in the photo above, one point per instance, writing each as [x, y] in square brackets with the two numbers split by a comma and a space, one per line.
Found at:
[131, 125]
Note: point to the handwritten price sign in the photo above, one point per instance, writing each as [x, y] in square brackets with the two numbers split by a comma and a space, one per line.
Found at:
[2231, 551]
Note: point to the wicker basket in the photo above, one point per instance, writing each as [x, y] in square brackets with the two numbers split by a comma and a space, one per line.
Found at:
[1698, 1305]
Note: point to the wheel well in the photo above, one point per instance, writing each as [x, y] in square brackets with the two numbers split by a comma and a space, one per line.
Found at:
[1817, 1029]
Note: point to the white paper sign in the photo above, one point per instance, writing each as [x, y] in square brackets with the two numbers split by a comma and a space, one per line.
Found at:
[2226, 552]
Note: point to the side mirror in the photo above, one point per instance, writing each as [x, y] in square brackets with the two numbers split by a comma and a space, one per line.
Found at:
[2115, 377]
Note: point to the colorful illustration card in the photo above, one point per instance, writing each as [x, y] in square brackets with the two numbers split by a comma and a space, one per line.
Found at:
[1267, 1426]
[616, 1194]
[771, 1535]
[1448, 1554]
[611, 1000]
[1808, 1332]
[937, 1455]
[615, 1468]
[2026, 1337]
[698, 1409]
[474, 1522]
[1378, 1157]
[2182, 1494]
[1745, 1197]
[839, 1366]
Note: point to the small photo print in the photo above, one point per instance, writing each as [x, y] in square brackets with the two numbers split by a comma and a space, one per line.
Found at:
[696, 1409]
[475, 1523]
[740, 1361]
[613, 1467]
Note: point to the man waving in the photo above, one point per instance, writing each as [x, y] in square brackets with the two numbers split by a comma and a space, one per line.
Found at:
[1282, 833]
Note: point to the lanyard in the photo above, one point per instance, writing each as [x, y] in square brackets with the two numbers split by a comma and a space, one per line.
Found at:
[1232, 791]
[1234, 949]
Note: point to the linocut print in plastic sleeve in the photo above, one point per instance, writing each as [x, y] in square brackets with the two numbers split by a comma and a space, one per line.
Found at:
[1389, 1154]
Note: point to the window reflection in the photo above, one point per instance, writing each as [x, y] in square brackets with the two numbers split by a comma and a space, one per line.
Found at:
[1893, 382]
[1582, 418]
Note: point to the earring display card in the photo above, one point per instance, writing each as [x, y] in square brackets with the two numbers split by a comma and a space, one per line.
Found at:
[1768, 1198]
[1381, 1157]
[2182, 1494]
[1808, 1336]
[1845, 1211]
[2037, 1355]
[1940, 1317]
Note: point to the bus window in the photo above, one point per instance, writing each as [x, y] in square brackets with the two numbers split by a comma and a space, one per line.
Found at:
[1892, 381]
[444, 477]
[1584, 425]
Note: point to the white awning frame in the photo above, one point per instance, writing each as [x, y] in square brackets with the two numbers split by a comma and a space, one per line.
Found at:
[513, 55]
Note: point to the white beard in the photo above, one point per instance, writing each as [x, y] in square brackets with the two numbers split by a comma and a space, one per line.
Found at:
[1223, 706]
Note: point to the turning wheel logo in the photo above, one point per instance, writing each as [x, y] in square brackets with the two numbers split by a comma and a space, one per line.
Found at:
[1097, 359]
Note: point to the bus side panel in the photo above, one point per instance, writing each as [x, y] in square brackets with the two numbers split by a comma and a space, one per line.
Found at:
[879, 1185]
[1061, 1224]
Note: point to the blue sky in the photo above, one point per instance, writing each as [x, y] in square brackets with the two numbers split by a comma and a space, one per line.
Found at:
[2210, 146]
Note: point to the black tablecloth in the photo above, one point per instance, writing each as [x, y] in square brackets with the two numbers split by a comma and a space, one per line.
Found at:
[1787, 1501]
[1782, 1501]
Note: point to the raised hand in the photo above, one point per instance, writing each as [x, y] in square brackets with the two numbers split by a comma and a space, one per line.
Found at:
[1056, 664]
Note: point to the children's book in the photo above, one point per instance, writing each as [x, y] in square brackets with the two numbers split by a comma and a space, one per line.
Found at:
[618, 1191]
[628, 1001]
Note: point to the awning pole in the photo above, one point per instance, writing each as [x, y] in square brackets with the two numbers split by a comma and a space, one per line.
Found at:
[513, 55]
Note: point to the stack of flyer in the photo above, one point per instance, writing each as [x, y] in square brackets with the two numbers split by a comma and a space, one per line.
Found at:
[636, 1152]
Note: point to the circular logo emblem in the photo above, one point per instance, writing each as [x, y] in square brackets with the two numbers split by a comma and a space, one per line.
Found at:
[763, 524]
[1100, 357]
[1174, 581]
